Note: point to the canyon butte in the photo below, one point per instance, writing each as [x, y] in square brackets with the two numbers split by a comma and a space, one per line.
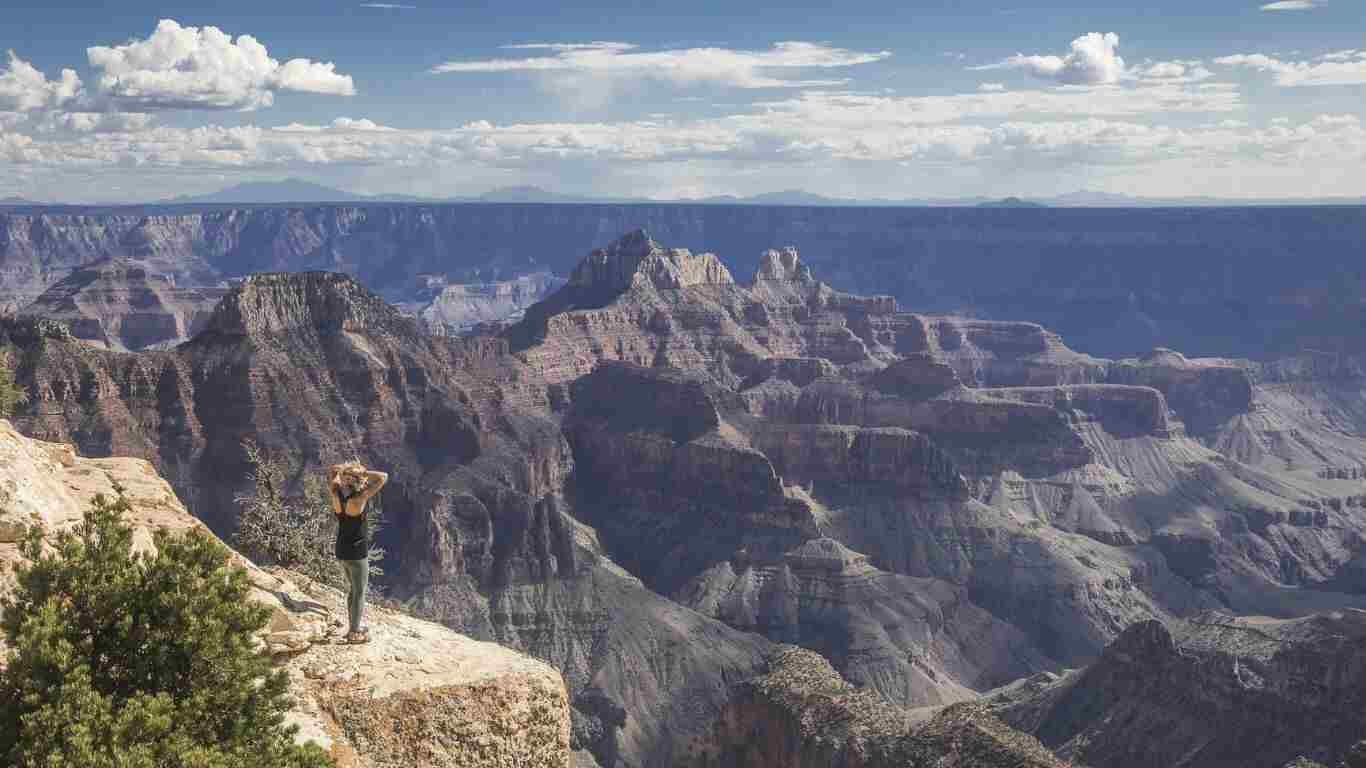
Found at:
[772, 523]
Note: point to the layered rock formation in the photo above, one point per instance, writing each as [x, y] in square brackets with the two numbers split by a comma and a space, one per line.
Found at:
[123, 304]
[1216, 690]
[1040, 434]
[683, 492]
[417, 695]
[802, 355]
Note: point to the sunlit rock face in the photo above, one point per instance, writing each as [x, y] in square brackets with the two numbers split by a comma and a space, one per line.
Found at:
[463, 307]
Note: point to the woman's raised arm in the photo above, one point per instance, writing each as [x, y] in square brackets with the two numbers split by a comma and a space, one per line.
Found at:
[376, 481]
[332, 491]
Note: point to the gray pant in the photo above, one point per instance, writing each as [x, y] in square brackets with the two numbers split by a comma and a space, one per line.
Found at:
[357, 580]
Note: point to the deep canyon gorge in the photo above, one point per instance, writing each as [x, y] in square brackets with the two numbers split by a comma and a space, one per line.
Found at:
[867, 487]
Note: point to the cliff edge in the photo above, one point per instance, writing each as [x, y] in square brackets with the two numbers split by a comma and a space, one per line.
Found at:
[417, 695]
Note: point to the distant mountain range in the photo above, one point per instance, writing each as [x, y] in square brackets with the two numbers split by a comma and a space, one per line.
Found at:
[301, 191]
[265, 192]
[1011, 202]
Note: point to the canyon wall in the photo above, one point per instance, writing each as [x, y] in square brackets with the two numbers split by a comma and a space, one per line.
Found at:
[1247, 282]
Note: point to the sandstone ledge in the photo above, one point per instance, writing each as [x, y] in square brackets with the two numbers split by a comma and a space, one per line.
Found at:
[417, 695]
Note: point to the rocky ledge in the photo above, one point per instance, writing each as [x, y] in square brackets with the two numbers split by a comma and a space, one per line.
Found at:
[417, 695]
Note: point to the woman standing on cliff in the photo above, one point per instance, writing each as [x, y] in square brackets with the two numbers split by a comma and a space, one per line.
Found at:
[349, 486]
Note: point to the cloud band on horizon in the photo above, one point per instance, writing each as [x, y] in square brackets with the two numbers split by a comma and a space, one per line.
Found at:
[682, 66]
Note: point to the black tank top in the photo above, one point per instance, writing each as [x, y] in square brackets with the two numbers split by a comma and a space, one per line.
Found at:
[353, 534]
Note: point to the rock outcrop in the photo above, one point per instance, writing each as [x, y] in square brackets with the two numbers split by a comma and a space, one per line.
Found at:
[636, 262]
[1216, 691]
[304, 305]
[801, 714]
[417, 695]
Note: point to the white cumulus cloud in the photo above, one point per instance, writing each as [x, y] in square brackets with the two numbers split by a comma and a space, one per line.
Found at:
[202, 67]
[23, 87]
[1291, 5]
[1093, 60]
[684, 66]
[1338, 68]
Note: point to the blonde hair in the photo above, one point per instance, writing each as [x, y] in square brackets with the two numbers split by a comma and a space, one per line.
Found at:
[353, 471]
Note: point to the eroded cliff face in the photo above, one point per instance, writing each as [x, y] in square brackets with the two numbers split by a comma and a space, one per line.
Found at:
[1216, 690]
[1090, 494]
[417, 695]
[685, 490]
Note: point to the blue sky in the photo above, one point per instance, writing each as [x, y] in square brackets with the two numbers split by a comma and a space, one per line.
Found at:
[875, 99]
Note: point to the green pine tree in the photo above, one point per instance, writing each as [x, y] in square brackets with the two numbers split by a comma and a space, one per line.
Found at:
[134, 660]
